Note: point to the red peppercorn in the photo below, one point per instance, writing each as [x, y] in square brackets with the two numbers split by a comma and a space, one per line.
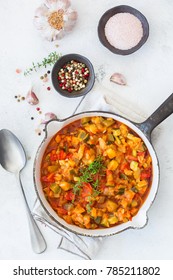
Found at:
[48, 88]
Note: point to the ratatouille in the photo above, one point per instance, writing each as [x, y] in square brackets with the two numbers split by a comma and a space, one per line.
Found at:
[96, 172]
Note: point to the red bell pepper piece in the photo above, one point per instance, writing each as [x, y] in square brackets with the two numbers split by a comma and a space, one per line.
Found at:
[69, 195]
[62, 211]
[145, 174]
[48, 179]
[86, 190]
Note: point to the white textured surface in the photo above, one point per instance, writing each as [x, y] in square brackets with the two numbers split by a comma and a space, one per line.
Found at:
[149, 77]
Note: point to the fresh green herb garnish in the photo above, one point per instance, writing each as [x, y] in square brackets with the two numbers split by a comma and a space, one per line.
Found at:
[96, 193]
[50, 60]
[96, 184]
[89, 204]
[76, 188]
[87, 176]
[96, 165]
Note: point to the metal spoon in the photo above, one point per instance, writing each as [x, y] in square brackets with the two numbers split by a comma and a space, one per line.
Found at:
[13, 159]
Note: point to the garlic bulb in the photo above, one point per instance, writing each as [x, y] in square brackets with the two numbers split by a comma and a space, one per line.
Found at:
[118, 79]
[55, 18]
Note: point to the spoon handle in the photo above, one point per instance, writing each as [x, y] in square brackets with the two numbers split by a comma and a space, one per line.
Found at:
[38, 242]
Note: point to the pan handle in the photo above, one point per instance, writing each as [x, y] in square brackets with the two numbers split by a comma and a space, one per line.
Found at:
[161, 113]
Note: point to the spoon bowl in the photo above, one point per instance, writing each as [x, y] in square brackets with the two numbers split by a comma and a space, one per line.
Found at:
[12, 154]
[13, 159]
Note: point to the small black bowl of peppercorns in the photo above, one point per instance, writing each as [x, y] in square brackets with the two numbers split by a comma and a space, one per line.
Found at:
[73, 75]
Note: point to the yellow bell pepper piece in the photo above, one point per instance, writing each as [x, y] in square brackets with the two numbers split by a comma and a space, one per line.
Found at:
[112, 165]
[65, 186]
[111, 206]
[111, 153]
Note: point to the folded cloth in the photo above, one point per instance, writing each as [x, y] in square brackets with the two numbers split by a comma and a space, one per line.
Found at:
[86, 247]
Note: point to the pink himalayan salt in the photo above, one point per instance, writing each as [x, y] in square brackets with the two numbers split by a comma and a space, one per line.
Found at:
[123, 31]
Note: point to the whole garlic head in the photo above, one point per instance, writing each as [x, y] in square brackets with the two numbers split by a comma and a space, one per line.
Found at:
[55, 18]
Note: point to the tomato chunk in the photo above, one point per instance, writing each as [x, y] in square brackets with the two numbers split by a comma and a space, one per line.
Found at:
[69, 195]
[87, 190]
[146, 174]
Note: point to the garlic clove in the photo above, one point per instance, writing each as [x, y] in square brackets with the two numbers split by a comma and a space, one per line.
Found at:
[49, 116]
[68, 26]
[72, 15]
[66, 3]
[41, 11]
[50, 3]
[40, 23]
[31, 98]
[118, 79]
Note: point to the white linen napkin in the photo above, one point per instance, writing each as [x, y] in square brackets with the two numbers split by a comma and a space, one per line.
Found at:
[101, 99]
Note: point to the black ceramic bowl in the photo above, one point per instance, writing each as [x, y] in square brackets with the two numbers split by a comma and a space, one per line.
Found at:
[122, 9]
[60, 63]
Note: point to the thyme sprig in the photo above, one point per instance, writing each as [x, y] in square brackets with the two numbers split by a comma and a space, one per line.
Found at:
[50, 60]
[88, 174]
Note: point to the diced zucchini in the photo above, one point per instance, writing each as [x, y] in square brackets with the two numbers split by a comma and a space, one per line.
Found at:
[116, 132]
[104, 222]
[121, 191]
[85, 120]
[111, 137]
[91, 128]
[133, 138]
[108, 122]
[72, 172]
[68, 206]
[93, 212]
[78, 210]
[83, 136]
[52, 168]
[123, 176]
[111, 205]
[134, 165]
[113, 220]
[55, 188]
[134, 189]
[98, 220]
[124, 129]
[117, 140]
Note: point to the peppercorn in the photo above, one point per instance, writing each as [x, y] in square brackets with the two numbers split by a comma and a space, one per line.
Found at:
[73, 76]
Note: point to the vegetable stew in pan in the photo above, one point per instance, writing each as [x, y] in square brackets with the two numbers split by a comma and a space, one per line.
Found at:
[96, 172]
